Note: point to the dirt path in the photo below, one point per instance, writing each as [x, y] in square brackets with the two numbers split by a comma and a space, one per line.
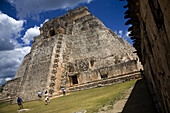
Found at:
[118, 106]
[140, 99]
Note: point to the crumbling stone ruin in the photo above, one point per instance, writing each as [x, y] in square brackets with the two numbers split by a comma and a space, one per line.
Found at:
[150, 31]
[75, 51]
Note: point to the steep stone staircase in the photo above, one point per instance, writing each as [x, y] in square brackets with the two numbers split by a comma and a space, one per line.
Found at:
[55, 63]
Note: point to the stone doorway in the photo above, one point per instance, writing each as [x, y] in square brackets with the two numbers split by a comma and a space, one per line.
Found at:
[104, 76]
[74, 80]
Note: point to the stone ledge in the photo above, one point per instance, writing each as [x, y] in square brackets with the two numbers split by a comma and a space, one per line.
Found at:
[6, 100]
[106, 81]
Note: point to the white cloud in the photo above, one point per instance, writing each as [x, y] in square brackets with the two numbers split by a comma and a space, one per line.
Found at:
[120, 33]
[10, 61]
[31, 32]
[44, 22]
[125, 35]
[11, 52]
[32, 7]
[9, 31]
[8, 78]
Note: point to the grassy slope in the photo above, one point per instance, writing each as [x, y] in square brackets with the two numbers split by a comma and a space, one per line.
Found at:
[90, 100]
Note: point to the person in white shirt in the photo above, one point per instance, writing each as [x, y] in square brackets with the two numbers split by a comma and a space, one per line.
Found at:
[39, 95]
[47, 98]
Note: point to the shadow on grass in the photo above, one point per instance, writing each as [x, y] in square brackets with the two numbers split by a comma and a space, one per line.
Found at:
[140, 100]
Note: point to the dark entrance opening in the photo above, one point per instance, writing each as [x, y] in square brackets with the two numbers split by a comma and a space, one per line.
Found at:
[92, 63]
[74, 80]
[104, 76]
[52, 32]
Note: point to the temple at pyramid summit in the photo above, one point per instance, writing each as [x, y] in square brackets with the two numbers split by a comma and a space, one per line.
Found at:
[75, 51]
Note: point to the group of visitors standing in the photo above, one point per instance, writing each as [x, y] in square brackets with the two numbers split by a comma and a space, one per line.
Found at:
[47, 100]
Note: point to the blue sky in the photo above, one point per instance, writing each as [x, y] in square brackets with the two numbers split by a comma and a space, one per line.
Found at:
[20, 21]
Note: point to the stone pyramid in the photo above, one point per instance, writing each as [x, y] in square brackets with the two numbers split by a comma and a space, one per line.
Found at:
[75, 51]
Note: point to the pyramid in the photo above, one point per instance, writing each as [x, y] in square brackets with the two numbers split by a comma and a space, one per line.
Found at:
[75, 51]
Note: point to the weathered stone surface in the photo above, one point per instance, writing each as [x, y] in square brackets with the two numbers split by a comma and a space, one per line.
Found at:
[152, 41]
[73, 49]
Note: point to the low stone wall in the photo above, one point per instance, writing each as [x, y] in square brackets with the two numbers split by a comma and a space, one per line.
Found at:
[106, 81]
[6, 100]
[107, 72]
[12, 87]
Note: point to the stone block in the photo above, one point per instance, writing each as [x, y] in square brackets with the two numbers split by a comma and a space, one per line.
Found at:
[53, 77]
[55, 65]
[54, 71]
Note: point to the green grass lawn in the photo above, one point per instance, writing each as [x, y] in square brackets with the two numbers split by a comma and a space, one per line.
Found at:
[90, 100]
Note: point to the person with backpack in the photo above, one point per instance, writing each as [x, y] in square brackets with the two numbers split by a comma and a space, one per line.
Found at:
[20, 101]
[64, 92]
[39, 95]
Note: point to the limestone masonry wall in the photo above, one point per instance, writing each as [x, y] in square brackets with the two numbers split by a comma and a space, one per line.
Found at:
[150, 21]
[106, 72]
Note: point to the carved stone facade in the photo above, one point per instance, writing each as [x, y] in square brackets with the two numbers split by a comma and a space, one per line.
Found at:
[73, 50]
[150, 31]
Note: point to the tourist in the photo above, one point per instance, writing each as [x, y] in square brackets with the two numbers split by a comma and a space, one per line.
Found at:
[64, 92]
[39, 94]
[45, 92]
[141, 71]
[20, 101]
[47, 98]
